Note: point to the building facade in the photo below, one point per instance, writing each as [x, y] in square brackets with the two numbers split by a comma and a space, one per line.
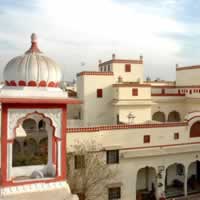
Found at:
[153, 127]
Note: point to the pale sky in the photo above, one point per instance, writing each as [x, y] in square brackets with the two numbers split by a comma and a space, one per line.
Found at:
[73, 32]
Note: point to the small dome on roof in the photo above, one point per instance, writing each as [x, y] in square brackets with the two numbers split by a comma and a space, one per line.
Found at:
[32, 69]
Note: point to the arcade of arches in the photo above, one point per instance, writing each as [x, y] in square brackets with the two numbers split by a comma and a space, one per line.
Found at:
[173, 116]
[179, 180]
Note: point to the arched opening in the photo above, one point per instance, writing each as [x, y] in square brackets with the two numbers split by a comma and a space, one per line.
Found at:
[36, 157]
[41, 125]
[195, 130]
[29, 125]
[193, 182]
[174, 180]
[43, 149]
[158, 116]
[16, 153]
[174, 116]
[146, 183]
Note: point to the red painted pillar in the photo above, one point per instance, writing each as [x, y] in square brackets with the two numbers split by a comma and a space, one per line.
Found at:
[4, 144]
[64, 152]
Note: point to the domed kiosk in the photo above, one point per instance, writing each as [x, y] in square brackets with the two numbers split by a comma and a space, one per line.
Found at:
[32, 69]
[33, 129]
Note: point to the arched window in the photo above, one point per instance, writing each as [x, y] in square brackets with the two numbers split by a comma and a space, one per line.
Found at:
[41, 124]
[30, 147]
[174, 116]
[29, 124]
[159, 116]
[195, 130]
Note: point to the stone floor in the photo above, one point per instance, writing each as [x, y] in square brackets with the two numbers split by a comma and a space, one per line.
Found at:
[191, 197]
[59, 194]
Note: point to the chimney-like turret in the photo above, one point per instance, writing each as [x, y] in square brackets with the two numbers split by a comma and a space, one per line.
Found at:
[113, 56]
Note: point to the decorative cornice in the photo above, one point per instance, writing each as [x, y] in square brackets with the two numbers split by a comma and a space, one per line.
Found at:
[121, 61]
[188, 67]
[131, 85]
[168, 94]
[34, 47]
[31, 83]
[95, 73]
[39, 101]
[125, 126]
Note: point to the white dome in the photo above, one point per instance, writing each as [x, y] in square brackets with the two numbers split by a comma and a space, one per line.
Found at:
[32, 69]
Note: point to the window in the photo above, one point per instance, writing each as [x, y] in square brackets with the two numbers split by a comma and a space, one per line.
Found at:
[176, 136]
[114, 193]
[112, 156]
[99, 93]
[127, 68]
[146, 138]
[79, 161]
[134, 92]
[163, 91]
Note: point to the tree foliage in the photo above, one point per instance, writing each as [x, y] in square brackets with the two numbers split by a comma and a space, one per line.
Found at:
[91, 179]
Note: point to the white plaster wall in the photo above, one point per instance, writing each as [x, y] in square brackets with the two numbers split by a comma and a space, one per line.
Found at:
[126, 93]
[132, 138]
[25, 170]
[188, 77]
[136, 74]
[142, 113]
[96, 110]
[131, 160]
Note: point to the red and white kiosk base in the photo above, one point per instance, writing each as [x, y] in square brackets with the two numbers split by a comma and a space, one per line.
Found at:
[33, 128]
[49, 176]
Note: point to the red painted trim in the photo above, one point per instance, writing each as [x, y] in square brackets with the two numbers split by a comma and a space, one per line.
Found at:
[164, 86]
[169, 94]
[94, 73]
[160, 146]
[15, 183]
[131, 85]
[124, 126]
[193, 117]
[43, 84]
[22, 83]
[121, 61]
[13, 83]
[64, 151]
[51, 84]
[4, 145]
[39, 101]
[33, 48]
[4, 142]
[188, 67]
[32, 83]
[7, 83]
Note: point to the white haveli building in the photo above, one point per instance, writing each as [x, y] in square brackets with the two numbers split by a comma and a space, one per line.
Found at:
[150, 130]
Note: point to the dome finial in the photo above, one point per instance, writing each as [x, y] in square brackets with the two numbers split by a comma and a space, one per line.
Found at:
[33, 37]
[34, 48]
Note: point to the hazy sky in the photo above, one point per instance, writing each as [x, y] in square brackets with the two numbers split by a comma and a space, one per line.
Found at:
[72, 32]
